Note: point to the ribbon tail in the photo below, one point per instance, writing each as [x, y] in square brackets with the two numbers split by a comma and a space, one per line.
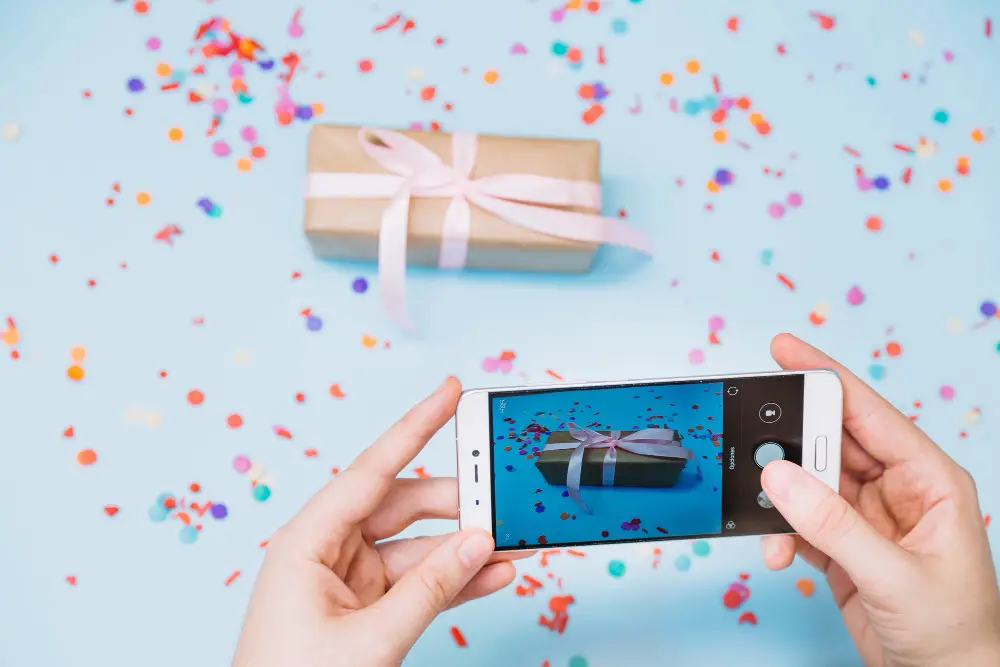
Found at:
[392, 258]
[608, 469]
[573, 473]
[455, 235]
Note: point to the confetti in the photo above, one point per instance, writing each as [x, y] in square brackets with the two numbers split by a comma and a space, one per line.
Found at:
[855, 296]
[459, 638]
[616, 568]
[806, 587]
[233, 577]
[10, 131]
[86, 457]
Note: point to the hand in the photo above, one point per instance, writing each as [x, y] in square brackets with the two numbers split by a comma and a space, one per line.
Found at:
[331, 593]
[903, 546]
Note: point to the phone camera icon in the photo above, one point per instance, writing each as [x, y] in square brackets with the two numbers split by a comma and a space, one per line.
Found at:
[732, 391]
[730, 525]
[769, 413]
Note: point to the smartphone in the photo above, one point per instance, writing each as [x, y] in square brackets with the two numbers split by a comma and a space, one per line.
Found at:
[640, 460]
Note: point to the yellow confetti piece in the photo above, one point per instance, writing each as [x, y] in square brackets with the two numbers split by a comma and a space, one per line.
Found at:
[944, 185]
[244, 164]
[143, 417]
[175, 134]
[368, 341]
[143, 198]
[491, 76]
[692, 66]
[78, 353]
[666, 78]
[719, 136]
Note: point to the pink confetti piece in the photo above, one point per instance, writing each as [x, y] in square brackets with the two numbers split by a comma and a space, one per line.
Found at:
[855, 296]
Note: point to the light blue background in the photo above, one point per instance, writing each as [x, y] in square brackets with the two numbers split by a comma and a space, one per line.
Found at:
[690, 507]
[145, 598]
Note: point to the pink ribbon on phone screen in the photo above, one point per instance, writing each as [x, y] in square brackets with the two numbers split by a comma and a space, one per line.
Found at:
[520, 199]
[658, 442]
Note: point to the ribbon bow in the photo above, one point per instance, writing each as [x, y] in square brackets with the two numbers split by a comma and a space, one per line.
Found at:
[649, 442]
[417, 171]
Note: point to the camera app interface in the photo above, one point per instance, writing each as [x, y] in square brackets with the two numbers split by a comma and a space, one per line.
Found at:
[640, 462]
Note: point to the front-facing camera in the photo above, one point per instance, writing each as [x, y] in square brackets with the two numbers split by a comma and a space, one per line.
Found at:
[475, 452]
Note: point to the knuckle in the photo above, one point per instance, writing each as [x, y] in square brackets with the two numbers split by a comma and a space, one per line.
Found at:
[434, 590]
[833, 519]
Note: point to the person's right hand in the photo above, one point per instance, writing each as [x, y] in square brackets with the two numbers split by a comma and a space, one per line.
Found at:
[903, 546]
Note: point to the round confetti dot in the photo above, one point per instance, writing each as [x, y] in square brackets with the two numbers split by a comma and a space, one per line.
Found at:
[978, 136]
[75, 372]
[723, 176]
[365, 65]
[616, 568]
[574, 55]
[491, 76]
[195, 397]
[763, 127]
[219, 107]
[248, 133]
[720, 136]
[220, 148]
[701, 548]
[716, 323]
[86, 457]
[874, 223]
[153, 43]
[318, 108]
[314, 323]
[559, 48]
[794, 199]
[556, 16]
[188, 535]
[666, 78]
[158, 512]
[870, 80]
[619, 26]
[954, 325]
[241, 464]
[219, 511]
[988, 308]
[713, 186]
[261, 492]
[143, 199]
[244, 164]
[683, 563]
[855, 296]
[234, 420]
[947, 392]
[11, 131]
[696, 357]
[881, 183]
[776, 210]
[258, 152]
[135, 85]
[876, 371]
[806, 587]
[360, 285]
[941, 116]
[692, 66]
[893, 349]
[692, 107]
[303, 112]
[578, 661]
[78, 353]
[175, 134]
[731, 599]
[164, 69]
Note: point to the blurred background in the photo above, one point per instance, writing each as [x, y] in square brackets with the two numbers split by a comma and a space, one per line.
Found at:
[163, 313]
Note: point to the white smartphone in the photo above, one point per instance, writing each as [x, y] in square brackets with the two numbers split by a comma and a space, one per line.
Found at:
[640, 460]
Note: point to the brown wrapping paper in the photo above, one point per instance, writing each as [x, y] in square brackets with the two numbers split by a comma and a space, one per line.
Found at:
[349, 228]
[630, 469]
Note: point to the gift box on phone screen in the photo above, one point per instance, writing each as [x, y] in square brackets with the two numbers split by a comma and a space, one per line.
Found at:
[579, 456]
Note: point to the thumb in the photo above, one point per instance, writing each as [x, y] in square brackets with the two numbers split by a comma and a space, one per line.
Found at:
[828, 522]
[430, 587]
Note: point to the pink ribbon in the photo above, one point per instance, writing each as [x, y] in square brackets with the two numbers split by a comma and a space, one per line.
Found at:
[657, 442]
[419, 172]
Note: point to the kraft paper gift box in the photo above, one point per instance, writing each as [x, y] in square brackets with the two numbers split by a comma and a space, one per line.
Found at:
[348, 228]
[630, 469]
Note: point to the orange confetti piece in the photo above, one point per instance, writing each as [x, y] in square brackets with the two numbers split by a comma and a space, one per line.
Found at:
[944, 185]
[591, 115]
[75, 373]
[233, 577]
[69, 432]
[786, 281]
[175, 134]
[195, 397]
[143, 198]
[874, 223]
[421, 473]
[311, 453]
[574, 552]
[508, 355]
[427, 93]
[666, 78]
[894, 349]
[459, 638]
[491, 76]
[806, 586]
[86, 457]
[336, 391]
[184, 517]
[554, 374]
[368, 341]
[692, 66]
[234, 420]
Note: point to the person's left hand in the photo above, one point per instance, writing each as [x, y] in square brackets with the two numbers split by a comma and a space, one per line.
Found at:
[331, 593]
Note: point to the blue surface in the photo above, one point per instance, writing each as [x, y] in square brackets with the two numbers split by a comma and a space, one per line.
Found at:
[143, 597]
[529, 507]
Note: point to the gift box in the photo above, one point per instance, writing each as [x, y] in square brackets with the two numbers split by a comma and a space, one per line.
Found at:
[455, 200]
[630, 469]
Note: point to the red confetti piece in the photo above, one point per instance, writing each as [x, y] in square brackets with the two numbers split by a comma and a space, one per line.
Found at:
[747, 617]
[554, 374]
[903, 147]
[786, 281]
[235, 575]
[282, 432]
[69, 432]
[733, 24]
[459, 638]
[388, 23]
[111, 510]
[851, 151]
[421, 473]
[907, 174]
[825, 21]
[336, 391]
[591, 115]
[71, 580]
[989, 27]
[311, 453]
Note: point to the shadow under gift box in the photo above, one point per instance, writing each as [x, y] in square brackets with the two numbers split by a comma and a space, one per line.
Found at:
[348, 228]
[630, 469]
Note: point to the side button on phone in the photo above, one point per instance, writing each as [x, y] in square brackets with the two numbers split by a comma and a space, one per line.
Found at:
[821, 453]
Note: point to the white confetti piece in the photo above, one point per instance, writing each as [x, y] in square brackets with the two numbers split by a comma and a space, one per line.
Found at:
[11, 131]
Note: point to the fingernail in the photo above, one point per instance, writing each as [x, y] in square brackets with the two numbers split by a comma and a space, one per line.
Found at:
[778, 478]
[475, 549]
[771, 549]
[444, 384]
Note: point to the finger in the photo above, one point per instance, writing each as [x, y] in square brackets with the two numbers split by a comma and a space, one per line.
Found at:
[410, 500]
[431, 587]
[778, 551]
[322, 524]
[489, 580]
[401, 556]
[403, 441]
[830, 524]
[882, 430]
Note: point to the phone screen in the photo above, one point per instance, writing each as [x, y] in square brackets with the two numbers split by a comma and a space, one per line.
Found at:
[651, 461]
